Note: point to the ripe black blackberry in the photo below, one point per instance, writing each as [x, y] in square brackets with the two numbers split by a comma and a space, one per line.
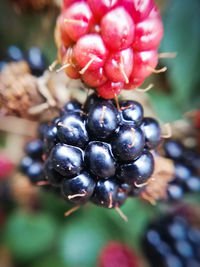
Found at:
[186, 163]
[34, 58]
[96, 153]
[172, 242]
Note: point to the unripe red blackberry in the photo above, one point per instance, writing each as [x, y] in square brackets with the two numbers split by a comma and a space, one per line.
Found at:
[110, 45]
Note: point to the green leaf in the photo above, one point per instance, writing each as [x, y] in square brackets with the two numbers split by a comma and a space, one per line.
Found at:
[166, 106]
[51, 260]
[81, 241]
[28, 235]
[182, 35]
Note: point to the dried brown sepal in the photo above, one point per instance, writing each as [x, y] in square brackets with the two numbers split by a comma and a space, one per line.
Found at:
[18, 90]
[163, 174]
[26, 96]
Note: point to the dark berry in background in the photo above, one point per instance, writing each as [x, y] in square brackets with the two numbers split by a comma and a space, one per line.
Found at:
[187, 165]
[94, 152]
[34, 58]
[172, 242]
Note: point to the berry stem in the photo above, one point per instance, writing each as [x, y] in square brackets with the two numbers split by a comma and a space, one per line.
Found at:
[156, 71]
[121, 214]
[75, 21]
[133, 139]
[78, 195]
[111, 201]
[41, 183]
[63, 67]
[117, 103]
[121, 66]
[87, 66]
[53, 65]
[66, 127]
[167, 55]
[144, 90]
[102, 114]
[71, 210]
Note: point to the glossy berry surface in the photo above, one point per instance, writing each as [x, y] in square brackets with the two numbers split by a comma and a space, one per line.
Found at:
[51, 175]
[167, 242]
[79, 189]
[186, 164]
[50, 138]
[132, 112]
[72, 130]
[35, 172]
[128, 142]
[152, 132]
[92, 152]
[26, 162]
[105, 193]
[67, 160]
[137, 171]
[102, 120]
[110, 45]
[99, 159]
[71, 106]
[34, 149]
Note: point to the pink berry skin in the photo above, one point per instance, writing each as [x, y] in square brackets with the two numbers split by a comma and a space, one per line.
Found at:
[94, 78]
[110, 89]
[117, 29]
[144, 62]
[138, 9]
[101, 7]
[90, 47]
[67, 3]
[77, 20]
[118, 66]
[110, 44]
[148, 34]
[61, 36]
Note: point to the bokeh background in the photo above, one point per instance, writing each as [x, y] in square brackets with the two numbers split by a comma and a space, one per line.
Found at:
[33, 229]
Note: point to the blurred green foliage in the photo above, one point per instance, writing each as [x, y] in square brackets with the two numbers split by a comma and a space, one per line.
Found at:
[182, 35]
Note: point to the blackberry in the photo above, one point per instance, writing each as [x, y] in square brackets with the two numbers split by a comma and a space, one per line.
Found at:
[79, 189]
[102, 120]
[128, 142]
[71, 129]
[132, 112]
[34, 58]
[70, 106]
[34, 149]
[172, 241]
[67, 160]
[186, 162]
[93, 152]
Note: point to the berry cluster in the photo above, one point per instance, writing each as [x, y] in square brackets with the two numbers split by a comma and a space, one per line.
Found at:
[172, 242]
[95, 152]
[110, 45]
[186, 162]
[34, 58]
